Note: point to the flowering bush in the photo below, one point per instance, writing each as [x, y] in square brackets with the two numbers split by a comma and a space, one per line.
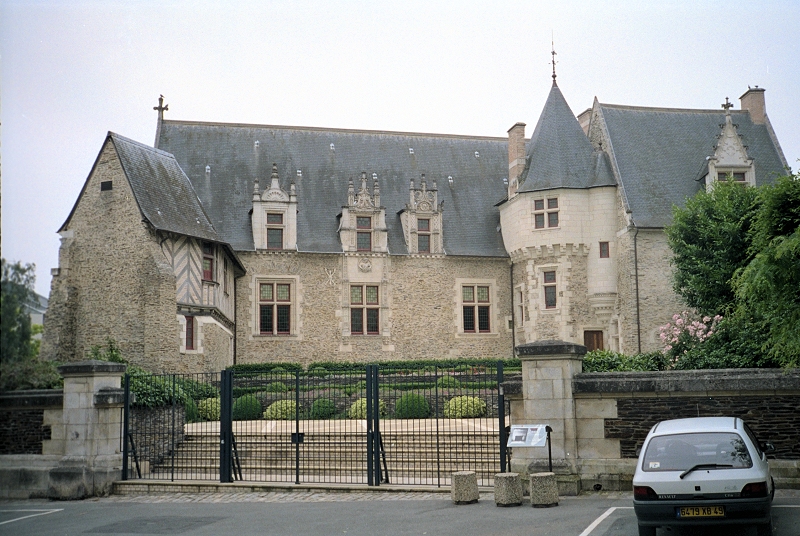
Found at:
[685, 332]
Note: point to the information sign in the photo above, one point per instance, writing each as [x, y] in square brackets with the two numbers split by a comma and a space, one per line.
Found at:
[527, 435]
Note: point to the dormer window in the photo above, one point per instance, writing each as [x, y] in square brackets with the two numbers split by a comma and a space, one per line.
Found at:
[274, 231]
[424, 235]
[364, 233]
[738, 176]
[208, 261]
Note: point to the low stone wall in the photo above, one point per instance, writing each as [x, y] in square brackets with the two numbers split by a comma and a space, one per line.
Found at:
[22, 427]
[156, 432]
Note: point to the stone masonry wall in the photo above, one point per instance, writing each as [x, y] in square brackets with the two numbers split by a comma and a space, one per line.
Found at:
[419, 313]
[22, 420]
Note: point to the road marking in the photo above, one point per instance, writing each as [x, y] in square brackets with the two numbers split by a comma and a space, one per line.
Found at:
[40, 513]
[786, 505]
[600, 519]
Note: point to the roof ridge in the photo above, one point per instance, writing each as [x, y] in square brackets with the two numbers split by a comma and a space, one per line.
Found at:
[139, 144]
[668, 109]
[337, 130]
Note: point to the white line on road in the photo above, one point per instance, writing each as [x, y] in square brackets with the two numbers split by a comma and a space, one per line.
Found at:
[40, 513]
[600, 519]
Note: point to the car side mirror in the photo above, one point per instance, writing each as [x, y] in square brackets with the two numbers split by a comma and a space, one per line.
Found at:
[767, 447]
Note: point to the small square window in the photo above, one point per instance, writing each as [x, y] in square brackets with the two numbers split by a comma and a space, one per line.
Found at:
[364, 222]
[538, 204]
[549, 277]
[356, 295]
[372, 295]
[468, 294]
[604, 250]
[106, 185]
[282, 292]
[275, 219]
[552, 203]
[424, 225]
[483, 294]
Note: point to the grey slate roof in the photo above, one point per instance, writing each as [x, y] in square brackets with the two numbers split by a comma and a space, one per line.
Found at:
[163, 192]
[659, 151]
[559, 155]
[470, 221]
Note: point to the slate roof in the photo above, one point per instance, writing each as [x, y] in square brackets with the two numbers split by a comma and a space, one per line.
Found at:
[559, 155]
[470, 221]
[659, 151]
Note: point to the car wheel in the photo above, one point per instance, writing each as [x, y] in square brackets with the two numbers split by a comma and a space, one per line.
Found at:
[764, 529]
[651, 531]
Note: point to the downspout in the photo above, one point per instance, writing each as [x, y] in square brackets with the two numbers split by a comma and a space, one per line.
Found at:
[636, 276]
[235, 314]
[513, 320]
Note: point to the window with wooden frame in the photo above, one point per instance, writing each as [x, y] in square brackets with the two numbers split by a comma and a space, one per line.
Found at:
[604, 253]
[550, 300]
[208, 261]
[475, 308]
[189, 332]
[364, 310]
[424, 235]
[364, 233]
[274, 230]
[548, 215]
[275, 308]
[225, 275]
[738, 176]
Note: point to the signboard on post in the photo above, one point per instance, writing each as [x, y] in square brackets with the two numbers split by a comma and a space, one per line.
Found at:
[527, 435]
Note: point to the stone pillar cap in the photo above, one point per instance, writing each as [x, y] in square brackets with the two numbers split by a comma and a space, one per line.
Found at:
[91, 366]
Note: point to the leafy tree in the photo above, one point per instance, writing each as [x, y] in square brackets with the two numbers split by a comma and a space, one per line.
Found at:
[769, 286]
[710, 241]
[15, 324]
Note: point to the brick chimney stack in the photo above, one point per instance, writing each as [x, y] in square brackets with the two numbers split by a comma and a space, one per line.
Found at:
[753, 101]
[516, 156]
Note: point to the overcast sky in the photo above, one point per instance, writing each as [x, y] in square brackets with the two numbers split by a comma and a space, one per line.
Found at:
[72, 71]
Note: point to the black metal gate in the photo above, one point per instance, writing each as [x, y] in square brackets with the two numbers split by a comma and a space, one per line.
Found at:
[367, 426]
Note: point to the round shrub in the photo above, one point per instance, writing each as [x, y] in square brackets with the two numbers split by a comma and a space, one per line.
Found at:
[282, 410]
[323, 408]
[208, 408]
[412, 406]
[276, 387]
[359, 409]
[246, 408]
[190, 407]
[448, 382]
[463, 407]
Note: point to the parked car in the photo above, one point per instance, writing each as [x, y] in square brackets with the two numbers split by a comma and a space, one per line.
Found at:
[703, 471]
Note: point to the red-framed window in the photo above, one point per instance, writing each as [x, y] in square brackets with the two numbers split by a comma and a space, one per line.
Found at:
[189, 332]
[475, 308]
[604, 252]
[365, 310]
[274, 231]
[275, 308]
[208, 261]
[550, 300]
[423, 235]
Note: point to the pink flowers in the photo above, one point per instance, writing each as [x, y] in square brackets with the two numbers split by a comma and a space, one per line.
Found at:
[685, 332]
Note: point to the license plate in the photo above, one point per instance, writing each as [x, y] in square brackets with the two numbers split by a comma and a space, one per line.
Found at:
[701, 511]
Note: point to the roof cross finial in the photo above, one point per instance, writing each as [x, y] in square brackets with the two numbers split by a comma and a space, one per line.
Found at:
[728, 105]
[161, 108]
[553, 61]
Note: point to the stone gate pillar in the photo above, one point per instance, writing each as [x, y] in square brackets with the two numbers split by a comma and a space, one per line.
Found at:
[90, 431]
[548, 368]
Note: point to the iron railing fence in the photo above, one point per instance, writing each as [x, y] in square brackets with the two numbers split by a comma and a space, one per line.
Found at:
[363, 426]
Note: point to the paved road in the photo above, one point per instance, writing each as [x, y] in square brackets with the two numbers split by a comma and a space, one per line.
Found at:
[313, 513]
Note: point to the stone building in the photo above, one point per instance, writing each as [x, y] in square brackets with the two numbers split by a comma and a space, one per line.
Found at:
[251, 243]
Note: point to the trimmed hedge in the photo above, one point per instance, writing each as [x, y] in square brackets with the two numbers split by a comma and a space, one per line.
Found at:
[282, 410]
[323, 408]
[464, 407]
[412, 406]
[208, 409]
[462, 365]
[359, 409]
[448, 381]
[246, 408]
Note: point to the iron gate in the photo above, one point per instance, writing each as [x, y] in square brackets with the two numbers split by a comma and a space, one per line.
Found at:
[368, 426]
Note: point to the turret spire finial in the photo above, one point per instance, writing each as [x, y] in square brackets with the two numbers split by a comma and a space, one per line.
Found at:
[553, 61]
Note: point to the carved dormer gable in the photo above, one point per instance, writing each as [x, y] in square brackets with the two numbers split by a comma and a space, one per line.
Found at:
[730, 155]
[274, 215]
[363, 224]
[422, 220]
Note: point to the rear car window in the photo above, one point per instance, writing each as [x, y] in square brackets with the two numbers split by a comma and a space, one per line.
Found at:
[679, 452]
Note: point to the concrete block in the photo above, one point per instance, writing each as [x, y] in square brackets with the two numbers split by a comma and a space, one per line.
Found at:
[507, 489]
[543, 490]
[464, 487]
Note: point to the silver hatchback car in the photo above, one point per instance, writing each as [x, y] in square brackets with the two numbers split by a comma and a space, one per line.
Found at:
[703, 471]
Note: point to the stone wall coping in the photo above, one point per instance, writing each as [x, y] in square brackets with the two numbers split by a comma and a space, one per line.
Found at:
[688, 381]
[550, 348]
[32, 399]
[93, 366]
[109, 397]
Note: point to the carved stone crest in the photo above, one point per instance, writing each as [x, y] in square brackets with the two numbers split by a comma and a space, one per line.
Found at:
[364, 265]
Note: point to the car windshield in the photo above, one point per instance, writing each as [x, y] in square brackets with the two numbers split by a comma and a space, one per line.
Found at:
[712, 450]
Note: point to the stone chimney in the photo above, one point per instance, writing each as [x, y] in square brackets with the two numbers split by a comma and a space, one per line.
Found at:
[753, 102]
[516, 156]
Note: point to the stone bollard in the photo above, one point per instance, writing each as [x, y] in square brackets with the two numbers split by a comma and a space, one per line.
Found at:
[507, 489]
[544, 490]
[464, 487]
